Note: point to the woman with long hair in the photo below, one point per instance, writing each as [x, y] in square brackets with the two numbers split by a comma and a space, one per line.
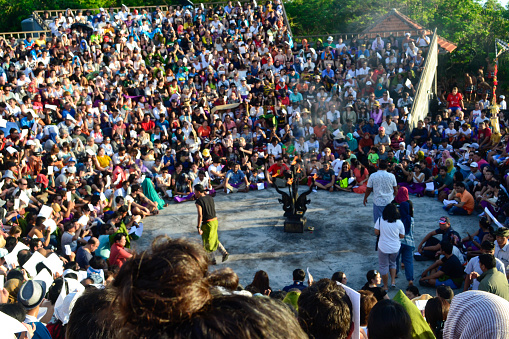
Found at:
[361, 174]
[260, 284]
[436, 312]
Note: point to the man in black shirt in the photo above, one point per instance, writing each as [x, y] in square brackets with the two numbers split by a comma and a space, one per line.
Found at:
[207, 223]
[446, 271]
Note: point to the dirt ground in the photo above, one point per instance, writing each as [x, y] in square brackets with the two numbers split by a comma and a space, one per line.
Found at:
[251, 229]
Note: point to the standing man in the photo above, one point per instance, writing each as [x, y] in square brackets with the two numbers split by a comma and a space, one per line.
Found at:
[384, 187]
[207, 223]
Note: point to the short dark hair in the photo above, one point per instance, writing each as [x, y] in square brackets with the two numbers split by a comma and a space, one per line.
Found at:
[199, 188]
[34, 242]
[446, 246]
[445, 292]
[383, 164]
[487, 245]
[460, 184]
[488, 260]
[118, 237]
[89, 319]
[15, 310]
[299, 274]
[413, 289]
[388, 319]
[23, 257]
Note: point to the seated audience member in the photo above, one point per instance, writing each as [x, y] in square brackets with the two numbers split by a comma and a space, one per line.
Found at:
[169, 281]
[388, 319]
[374, 279]
[465, 202]
[446, 271]
[325, 311]
[473, 265]
[298, 280]
[435, 312]
[491, 280]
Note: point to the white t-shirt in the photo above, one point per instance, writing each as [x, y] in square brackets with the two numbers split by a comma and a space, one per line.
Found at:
[389, 241]
[213, 168]
[276, 150]
[475, 114]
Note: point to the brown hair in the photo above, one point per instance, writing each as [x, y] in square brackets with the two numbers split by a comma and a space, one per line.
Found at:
[224, 277]
[165, 284]
[164, 292]
[368, 300]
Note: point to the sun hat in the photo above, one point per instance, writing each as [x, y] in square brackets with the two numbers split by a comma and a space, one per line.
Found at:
[31, 294]
[8, 174]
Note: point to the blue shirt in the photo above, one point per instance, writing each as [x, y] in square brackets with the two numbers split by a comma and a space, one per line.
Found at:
[27, 123]
[235, 178]
[330, 73]
[371, 129]
[72, 112]
[296, 284]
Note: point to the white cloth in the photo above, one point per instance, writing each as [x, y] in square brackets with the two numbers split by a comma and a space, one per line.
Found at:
[477, 314]
[389, 241]
[383, 184]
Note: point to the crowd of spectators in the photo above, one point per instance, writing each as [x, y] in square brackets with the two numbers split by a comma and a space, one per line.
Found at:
[116, 115]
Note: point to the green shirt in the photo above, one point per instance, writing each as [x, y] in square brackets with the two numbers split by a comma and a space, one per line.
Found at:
[495, 282]
[373, 158]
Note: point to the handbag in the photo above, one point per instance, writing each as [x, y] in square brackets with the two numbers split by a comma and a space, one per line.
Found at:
[378, 236]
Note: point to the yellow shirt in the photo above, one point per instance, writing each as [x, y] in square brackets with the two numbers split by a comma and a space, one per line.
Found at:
[41, 42]
[104, 161]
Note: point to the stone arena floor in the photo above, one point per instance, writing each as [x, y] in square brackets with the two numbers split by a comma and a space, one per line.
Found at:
[251, 229]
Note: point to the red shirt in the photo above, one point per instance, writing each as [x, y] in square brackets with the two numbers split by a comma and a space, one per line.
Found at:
[454, 100]
[205, 131]
[147, 126]
[484, 133]
[118, 255]
[277, 171]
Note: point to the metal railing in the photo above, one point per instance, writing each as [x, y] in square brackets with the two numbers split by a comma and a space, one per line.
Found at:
[425, 88]
[23, 35]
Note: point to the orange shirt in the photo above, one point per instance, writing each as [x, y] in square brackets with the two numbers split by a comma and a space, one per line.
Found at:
[468, 199]
[320, 131]
[204, 131]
